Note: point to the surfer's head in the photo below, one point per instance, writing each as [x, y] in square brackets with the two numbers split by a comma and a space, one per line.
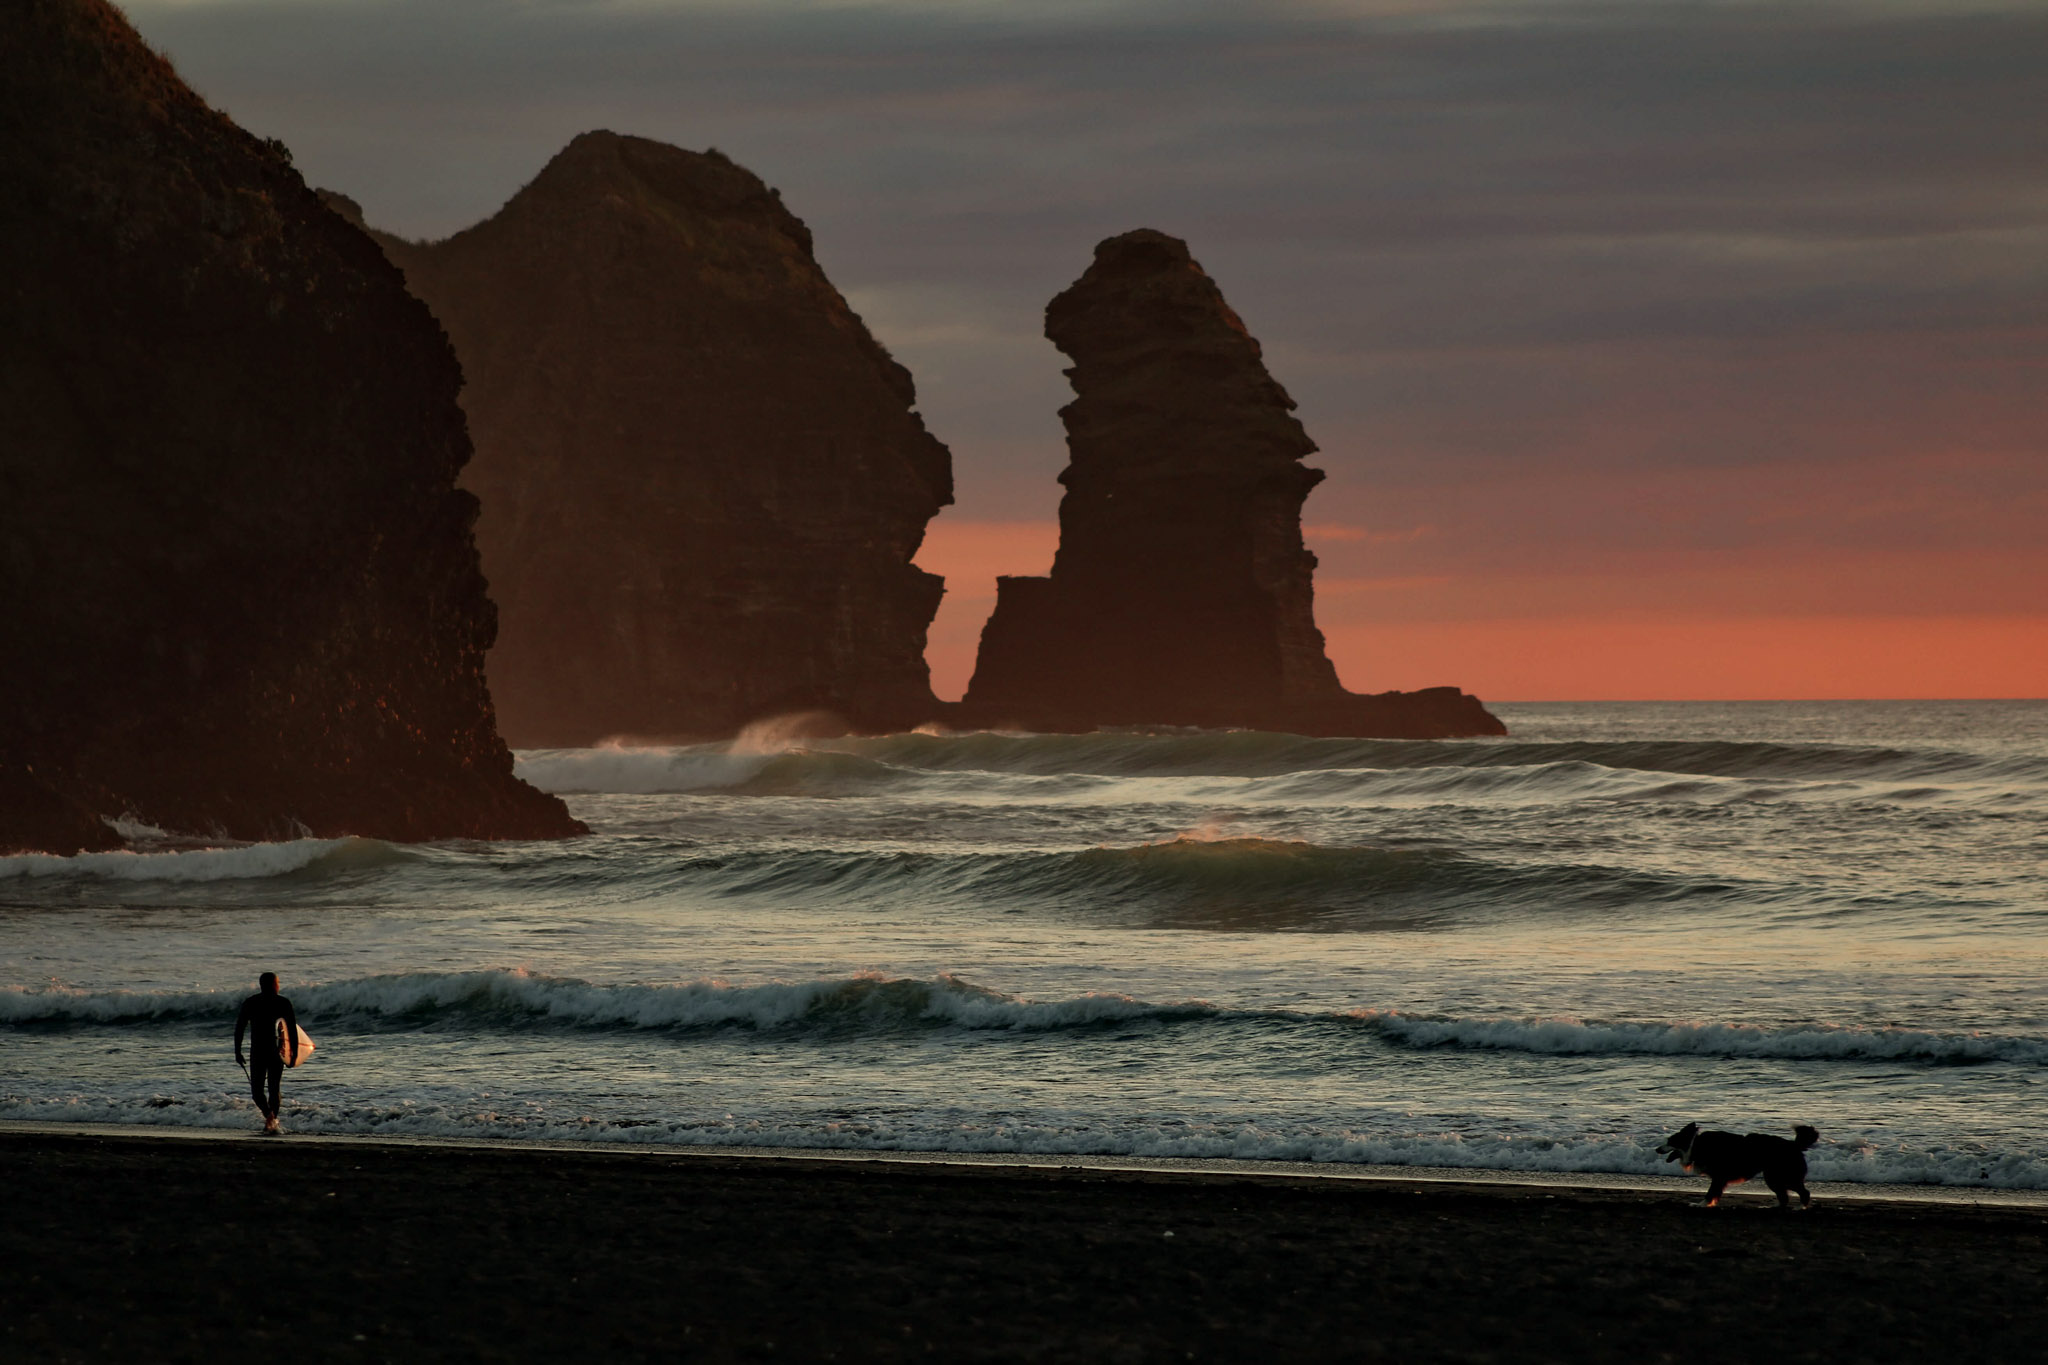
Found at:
[268, 981]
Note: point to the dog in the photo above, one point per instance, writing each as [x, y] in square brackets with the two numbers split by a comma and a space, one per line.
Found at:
[1729, 1159]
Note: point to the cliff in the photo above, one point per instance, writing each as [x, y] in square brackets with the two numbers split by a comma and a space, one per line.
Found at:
[703, 481]
[238, 588]
[1182, 593]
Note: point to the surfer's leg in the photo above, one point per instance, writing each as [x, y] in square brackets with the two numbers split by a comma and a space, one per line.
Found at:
[256, 1073]
[273, 1079]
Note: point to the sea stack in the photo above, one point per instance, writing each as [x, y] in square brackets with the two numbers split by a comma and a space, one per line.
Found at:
[703, 481]
[241, 594]
[1182, 593]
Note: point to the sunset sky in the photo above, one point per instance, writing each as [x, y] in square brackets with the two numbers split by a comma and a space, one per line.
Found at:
[1654, 349]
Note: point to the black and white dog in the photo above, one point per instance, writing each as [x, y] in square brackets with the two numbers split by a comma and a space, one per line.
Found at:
[1729, 1159]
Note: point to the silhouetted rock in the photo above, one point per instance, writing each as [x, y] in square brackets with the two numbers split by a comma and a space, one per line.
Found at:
[238, 589]
[1182, 593]
[703, 481]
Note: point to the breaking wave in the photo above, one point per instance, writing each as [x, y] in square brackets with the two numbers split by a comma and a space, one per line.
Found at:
[1809, 1043]
[1220, 883]
[1196, 881]
[511, 998]
[1008, 766]
[235, 863]
[1193, 881]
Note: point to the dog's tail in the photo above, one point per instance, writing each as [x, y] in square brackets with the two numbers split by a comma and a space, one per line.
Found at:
[1805, 1136]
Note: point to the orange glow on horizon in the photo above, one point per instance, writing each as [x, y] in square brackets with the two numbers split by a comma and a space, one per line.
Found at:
[970, 555]
[1732, 658]
[1616, 655]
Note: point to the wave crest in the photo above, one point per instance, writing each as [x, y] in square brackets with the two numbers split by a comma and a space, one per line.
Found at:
[514, 998]
[1815, 1042]
[235, 863]
[1241, 884]
[1294, 767]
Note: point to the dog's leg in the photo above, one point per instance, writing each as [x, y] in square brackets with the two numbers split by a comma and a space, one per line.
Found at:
[1714, 1191]
[1781, 1189]
[1805, 1199]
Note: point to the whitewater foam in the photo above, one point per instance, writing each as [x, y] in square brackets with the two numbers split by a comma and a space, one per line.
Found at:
[1248, 753]
[238, 862]
[515, 997]
[1562, 1153]
[1818, 1042]
[1266, 769]
[638, 771]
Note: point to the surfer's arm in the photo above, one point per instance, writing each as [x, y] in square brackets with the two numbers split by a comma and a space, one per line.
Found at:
[291, 1027]
[241, 1024]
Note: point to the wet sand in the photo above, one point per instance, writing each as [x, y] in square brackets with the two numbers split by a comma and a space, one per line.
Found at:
[145, 1247]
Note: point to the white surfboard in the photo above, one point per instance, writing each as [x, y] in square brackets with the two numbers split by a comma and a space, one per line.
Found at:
[284, 1047]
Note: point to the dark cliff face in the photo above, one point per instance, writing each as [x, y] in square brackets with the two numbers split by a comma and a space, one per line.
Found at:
[703, 481]
[1182, 593]
[238, 590]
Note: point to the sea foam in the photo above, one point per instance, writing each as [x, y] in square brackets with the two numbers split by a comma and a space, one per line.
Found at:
[1261, 768]
[515, 998]
[238, 862]
[488, 1117]
[1815, 1042]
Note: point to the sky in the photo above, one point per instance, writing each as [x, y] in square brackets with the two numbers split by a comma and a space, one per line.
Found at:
[1655, 349]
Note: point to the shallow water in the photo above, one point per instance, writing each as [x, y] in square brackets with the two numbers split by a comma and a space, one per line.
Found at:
[1537, 953]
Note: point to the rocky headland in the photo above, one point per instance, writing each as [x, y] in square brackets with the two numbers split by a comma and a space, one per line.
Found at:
[1182, 593]
[703, 481]
[238, 589]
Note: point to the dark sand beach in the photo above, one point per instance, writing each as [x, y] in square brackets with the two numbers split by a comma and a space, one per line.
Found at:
[118, 1247]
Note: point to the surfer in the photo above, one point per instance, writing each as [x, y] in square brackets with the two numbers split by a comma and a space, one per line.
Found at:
[263, 1012]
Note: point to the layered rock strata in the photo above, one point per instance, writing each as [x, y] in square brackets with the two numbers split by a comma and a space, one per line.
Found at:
[703, 481]
[238, 590]
[1182, 593]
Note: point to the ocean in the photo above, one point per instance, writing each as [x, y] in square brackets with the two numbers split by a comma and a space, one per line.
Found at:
[1537, 953]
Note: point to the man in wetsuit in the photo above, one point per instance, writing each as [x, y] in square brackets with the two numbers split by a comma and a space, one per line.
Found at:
[261, 1013]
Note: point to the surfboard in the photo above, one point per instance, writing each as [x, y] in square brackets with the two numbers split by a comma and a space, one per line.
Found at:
[284, 1047]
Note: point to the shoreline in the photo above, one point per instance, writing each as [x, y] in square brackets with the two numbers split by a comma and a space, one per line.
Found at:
[1443, 1179]
[186, 1246]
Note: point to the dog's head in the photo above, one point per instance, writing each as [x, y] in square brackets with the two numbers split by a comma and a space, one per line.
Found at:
[1678, 1146]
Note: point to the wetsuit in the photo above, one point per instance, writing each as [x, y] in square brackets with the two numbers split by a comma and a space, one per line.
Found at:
[260, 1013]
